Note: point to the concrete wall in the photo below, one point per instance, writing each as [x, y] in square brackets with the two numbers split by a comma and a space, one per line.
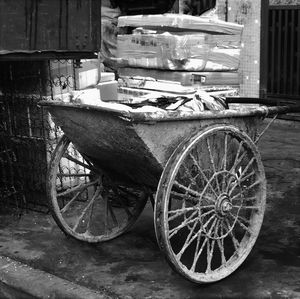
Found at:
[248, 13]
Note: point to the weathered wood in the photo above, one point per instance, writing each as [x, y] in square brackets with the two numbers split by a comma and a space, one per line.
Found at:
[56, 25]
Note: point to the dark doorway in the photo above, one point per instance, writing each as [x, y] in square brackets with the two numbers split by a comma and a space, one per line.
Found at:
[281, 52]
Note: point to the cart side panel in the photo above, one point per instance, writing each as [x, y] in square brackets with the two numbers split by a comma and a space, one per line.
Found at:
[112, 144]
[162, 138]
[128, 151]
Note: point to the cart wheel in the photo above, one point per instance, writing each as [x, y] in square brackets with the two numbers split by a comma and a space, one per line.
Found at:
[210, 203]
[84, 204]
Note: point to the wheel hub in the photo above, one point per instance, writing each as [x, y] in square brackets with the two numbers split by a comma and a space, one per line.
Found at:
[223, 205]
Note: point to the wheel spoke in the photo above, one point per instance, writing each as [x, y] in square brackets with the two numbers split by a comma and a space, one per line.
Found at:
[239, 181]
[185, 197]
[66, 207]
[196, 251]
[180, 212]
[247, 187]
[77, 188]
[238, 159]
[212, 163]
[244, 199]
[246, 207]
[187, 221]
[242, 225]
[73, 175]
[204, 176]
[105, 201]
[253, 185]
[113, 216]
[189, 240]
[198, 255]
[210, 248]
[247, 166]
[189, 175]
[188, 190]
[208, 221]
[235, 242]
[225, 151]
[96, 194]
[69, 157]
[220, 243]
[120, 201]
[206, 214]
[243, 219]
[90, 217]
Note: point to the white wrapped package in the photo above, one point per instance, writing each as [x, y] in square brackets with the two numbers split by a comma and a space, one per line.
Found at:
[181, 22]
[190, 52]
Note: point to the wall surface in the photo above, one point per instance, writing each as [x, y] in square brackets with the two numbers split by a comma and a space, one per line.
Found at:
[248, 13]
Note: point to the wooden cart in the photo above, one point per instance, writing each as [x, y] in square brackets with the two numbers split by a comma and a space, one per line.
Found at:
[204, 167]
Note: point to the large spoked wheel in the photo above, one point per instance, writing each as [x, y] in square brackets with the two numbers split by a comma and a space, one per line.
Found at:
[84, 204]
[210, 203]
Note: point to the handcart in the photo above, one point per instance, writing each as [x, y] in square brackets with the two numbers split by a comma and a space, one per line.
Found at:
[204, 168]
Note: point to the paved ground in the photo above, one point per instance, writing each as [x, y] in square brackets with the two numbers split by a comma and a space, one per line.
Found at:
[132, 265]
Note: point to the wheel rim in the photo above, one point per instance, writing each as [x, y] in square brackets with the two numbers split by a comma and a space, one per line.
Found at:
[84, 203]
[210, 204]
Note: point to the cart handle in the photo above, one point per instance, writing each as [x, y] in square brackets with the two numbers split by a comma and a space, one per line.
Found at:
[276, 106]
[165, 116]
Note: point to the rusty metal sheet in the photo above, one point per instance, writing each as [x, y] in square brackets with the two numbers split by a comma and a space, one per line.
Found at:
[50, 25]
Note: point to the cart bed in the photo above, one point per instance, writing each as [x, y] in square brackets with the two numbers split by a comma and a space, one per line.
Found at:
[133, 147]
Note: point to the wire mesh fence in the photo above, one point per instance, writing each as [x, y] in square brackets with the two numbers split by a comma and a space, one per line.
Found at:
[27, 134]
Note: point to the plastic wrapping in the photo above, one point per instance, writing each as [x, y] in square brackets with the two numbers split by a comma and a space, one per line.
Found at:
[180, 22]
[189, 52]
[109, 31]
[184, 78]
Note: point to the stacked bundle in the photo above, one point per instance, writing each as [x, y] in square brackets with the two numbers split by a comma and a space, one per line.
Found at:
[185, 50]
[180, 42]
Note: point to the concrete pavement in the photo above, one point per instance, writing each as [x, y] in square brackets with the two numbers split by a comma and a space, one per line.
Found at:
[133, 267]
